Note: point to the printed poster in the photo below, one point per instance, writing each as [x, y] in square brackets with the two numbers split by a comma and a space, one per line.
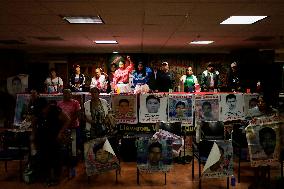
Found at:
[231, 107]
[207, 107]
[263, 142]
[17, 84]
[250, 108]
[21, 110]
[177, 144]
[124, 107]
[212, 130]
[219, 162]
[180, 108]
[154, 155]
[99, 156]
[153, 108]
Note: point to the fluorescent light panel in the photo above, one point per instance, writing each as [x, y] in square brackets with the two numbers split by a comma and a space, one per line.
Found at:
[242, 19]
[83, 19]
[201, 42]
[114, 52]
[106, 42]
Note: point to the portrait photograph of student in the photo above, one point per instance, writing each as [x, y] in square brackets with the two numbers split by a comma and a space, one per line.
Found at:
[153, 108]
[17, 84]
[207, 107]
[267, 140]
[154, 155]
[207, 113]
[99, 157]
[232, 106]
[152, 104]
[125, 108]
[180, 108]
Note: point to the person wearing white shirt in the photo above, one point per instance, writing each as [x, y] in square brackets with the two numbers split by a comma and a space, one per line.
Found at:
[99, 81]
[53, 83]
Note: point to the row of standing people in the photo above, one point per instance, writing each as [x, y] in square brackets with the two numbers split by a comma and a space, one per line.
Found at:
[162, 79]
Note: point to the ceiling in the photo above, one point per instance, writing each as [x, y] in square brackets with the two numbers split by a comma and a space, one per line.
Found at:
[139, 26]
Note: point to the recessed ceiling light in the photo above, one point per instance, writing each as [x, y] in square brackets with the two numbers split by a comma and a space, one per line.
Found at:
[106, 42]
[114, 52]
[242, 19]
[200, 42]
[83, 19]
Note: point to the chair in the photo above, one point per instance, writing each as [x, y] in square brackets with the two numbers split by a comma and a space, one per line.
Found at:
[14, 146]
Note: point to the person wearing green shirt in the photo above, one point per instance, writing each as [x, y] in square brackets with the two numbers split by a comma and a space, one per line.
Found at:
[188, 81]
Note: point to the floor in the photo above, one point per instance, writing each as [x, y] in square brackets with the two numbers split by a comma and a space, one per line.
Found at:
[179, 177]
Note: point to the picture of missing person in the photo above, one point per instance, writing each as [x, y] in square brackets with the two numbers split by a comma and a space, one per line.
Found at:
[17, 84]
[180, 108]
[123, 107]
[155, 154]
[231, 101]
[267, 140]
[264, 143]
[231, 107]
[99, 156]
[152, 104]
[207, 114]
[153, 108]
[207, 107]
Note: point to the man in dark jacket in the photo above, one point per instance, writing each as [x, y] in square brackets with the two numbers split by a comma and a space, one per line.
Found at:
[167, 79]
[210, 78]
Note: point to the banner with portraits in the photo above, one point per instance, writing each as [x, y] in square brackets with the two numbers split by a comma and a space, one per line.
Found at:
[153, 108]
[154, 155]
[180, 108]
[231, 107]
[17, 84]
[207, 107]
[99, 157]
[219, 162]
[124, 107]
[263, 142]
